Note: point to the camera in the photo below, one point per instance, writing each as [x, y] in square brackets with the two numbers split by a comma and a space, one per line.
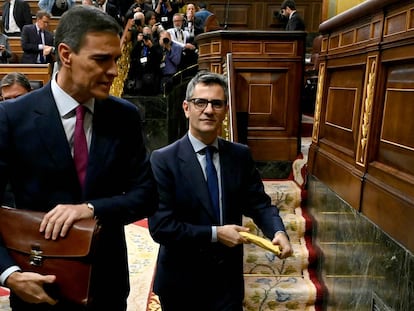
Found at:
[137, 22]
[165, 40]
[146, 36]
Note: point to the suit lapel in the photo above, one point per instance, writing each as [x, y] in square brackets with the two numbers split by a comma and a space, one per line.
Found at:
[101, 144]
[192, 171]
[46, 117]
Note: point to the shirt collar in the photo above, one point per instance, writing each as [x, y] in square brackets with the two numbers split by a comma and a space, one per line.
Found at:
[198, 145]
[64, 102]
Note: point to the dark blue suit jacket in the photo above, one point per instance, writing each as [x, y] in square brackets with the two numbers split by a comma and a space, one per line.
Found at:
[189, 264]
[30, 41]
[295, 22]
[36, 157]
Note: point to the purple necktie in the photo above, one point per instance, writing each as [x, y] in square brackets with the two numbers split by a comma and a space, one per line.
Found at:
[80, 145]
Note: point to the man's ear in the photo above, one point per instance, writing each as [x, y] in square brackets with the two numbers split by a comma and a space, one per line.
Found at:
[185, 108]
[65, 53]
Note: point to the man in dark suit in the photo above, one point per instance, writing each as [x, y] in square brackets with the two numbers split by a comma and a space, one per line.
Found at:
[16, 14]
[37, 151]
[37, 41]
[200, 260]
[289, 15]
[112, 9]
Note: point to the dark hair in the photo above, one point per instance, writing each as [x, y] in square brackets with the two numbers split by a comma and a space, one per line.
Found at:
[40, 14]
[16, 78]
[80, 20]
[148, 15]
[288, 3]
[208, 78]
[202, 5]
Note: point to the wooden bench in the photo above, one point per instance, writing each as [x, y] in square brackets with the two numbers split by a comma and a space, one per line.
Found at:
[34, 72]
[16, 49]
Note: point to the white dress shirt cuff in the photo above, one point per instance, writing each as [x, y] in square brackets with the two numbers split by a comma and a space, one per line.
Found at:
[6, 274]
[214, 234]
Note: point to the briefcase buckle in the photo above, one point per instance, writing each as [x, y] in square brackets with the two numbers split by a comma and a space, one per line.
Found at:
[36, 258]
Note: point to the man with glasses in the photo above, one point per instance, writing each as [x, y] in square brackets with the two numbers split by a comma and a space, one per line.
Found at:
[37, 41]
[197, 224]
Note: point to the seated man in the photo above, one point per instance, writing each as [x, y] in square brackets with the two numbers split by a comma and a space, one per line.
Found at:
[14, 85]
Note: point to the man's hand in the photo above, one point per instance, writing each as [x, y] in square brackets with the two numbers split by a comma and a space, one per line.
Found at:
[60, 219]
[282, 240]
[47, 49]
[29, 286]
[229, 235]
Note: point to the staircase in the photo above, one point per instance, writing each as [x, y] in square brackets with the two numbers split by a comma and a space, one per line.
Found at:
[289, 284]
[271, 284]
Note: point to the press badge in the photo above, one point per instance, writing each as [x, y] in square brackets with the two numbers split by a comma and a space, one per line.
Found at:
[143, 60]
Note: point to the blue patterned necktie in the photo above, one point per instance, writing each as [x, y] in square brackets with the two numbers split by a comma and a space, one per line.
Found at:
[212, 180]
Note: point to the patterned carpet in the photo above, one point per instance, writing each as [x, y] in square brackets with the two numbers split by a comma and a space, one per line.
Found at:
[271, 284]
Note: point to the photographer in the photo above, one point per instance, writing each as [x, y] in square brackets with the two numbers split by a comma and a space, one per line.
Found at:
[137, 6]
[182, 38]
[144, 71]
[170, 61]
[165, 11]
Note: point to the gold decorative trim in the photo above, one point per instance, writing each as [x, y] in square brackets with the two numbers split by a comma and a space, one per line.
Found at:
[318, 103]
[117, 87]
[365, 122]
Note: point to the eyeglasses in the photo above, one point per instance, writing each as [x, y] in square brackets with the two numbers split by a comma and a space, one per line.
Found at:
[201, 103]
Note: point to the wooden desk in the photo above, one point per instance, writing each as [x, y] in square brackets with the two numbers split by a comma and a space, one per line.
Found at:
[266, 82]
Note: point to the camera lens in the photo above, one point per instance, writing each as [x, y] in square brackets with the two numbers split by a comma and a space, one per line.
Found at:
[166, 40]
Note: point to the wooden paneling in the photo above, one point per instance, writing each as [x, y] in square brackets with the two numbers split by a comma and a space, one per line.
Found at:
[35, 72]
[363, 134]
[266, 67]
[242, 15]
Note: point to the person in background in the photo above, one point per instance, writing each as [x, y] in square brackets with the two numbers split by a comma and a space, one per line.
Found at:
[37, 41]
[152, 22]
[170, 62]
[137, 6]
[192, 23]
[56, 7]
[5, 52]
[113, 184]
[15, 14]
[113, 9]
[289, 16]
[165, 11]
[144, 71]
[13, 85]
[182, 38]
[200, 259]
[202, 13]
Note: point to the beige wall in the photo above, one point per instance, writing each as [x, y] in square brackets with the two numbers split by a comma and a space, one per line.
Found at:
[334, 7]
